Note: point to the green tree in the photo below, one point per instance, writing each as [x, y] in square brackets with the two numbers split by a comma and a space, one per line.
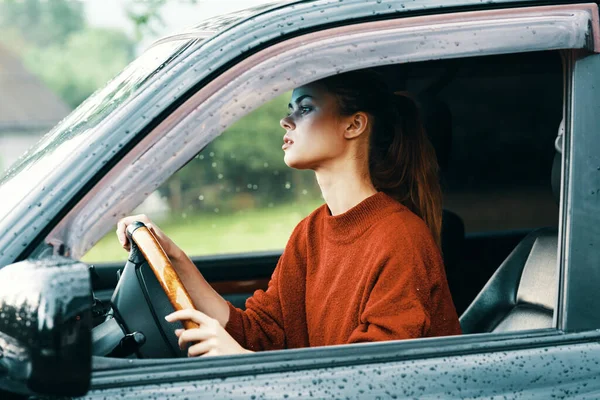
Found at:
[56, 45]
[85, 61]
[225, 174]
[42, 23]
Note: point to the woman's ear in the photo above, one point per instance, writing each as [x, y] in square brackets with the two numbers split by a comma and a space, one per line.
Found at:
[356, 125]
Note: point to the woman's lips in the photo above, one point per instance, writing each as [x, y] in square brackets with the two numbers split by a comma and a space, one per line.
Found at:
[287, 142]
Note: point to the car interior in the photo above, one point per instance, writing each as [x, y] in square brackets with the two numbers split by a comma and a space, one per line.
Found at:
[493, 121]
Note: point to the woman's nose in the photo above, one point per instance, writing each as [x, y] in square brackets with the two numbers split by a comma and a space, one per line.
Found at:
[287, 123]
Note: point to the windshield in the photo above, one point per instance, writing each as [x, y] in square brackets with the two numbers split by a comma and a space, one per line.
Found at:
[54, 148]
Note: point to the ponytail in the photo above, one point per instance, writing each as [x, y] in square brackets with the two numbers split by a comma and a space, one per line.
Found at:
[402, 160]
[406, 167]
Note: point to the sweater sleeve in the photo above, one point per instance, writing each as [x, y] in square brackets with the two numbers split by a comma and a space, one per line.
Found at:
[397, 306]
[261, 325]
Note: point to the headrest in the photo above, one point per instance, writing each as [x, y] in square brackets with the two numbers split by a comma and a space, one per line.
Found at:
[538, 280]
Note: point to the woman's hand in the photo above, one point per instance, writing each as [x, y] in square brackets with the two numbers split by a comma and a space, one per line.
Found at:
[167, 244]
[212, 339]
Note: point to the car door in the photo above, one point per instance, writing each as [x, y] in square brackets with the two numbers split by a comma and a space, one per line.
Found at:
[555, 362]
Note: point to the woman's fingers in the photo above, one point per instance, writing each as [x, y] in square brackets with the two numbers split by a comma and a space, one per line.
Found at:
[121, 234]
[122, 228]
[193, 335]
[205, 347]
[209, 339]
[191, 315]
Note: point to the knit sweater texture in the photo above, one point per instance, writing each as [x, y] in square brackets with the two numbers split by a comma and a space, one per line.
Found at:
[372, 273]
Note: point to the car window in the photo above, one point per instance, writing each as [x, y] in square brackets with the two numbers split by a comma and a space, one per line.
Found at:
[236, 195]
[493, 123]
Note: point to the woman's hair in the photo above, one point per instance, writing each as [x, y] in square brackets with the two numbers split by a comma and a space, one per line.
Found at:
[402, 160]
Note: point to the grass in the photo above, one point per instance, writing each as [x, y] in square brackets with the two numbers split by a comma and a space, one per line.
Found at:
[209, 234]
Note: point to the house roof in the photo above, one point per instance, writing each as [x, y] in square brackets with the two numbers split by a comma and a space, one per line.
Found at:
[26, 104]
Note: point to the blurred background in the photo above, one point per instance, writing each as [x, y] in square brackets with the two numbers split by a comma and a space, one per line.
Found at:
[54, 54]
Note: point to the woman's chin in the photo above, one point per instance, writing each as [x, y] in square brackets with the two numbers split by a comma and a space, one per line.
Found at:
[293, 162]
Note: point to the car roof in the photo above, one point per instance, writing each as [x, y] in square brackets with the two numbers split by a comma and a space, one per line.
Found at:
[352, 9]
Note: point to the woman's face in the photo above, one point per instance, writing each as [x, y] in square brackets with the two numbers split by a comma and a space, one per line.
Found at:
[314, 129]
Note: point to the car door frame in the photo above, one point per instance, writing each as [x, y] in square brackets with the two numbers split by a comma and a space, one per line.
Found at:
[303, 366]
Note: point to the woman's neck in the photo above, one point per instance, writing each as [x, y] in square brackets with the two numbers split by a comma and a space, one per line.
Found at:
[344, 187]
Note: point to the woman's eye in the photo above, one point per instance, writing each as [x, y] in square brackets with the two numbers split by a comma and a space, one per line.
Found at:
[305, 110]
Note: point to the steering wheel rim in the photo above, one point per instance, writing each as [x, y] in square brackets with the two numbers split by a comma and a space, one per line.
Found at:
[163, 269]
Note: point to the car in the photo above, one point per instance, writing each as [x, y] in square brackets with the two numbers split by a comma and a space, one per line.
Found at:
[508, 95]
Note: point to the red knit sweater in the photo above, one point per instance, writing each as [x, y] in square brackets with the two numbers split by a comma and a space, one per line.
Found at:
[372, 273]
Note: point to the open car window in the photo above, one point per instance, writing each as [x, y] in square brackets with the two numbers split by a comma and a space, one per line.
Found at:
[452, 86]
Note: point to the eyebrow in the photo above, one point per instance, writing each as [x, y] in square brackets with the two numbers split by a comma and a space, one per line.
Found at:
[299, 99]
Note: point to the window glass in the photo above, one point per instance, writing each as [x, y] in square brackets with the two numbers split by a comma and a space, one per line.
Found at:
[236, 195]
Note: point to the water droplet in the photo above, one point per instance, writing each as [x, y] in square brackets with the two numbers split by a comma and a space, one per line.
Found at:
[288, 185]
[214, 165]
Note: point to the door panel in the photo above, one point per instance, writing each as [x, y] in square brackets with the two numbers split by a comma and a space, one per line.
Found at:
[539, 365]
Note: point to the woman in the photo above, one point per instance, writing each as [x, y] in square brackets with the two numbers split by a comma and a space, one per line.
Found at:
[366, 265]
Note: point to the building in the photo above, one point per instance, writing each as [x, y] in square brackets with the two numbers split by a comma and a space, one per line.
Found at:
[28, 109]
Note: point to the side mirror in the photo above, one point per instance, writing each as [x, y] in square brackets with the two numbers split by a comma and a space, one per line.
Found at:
[45, 327]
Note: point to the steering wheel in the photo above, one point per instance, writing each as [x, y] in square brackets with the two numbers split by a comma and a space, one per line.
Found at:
[148, 289]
